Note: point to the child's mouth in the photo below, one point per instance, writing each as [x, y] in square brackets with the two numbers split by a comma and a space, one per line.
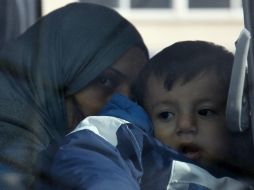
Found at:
[191, 151]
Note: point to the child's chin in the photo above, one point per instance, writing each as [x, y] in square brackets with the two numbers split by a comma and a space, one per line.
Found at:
[196, 156]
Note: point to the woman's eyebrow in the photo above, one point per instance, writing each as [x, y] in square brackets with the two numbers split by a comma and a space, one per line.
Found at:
[118, 73]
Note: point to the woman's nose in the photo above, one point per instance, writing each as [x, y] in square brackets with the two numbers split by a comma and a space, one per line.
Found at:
[186, 125]
[124, 89]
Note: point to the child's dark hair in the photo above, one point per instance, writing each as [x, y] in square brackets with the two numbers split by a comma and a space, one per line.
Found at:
[185, 60]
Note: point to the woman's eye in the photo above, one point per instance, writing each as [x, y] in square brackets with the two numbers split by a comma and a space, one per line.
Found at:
[206, 112]
[105, 81]
[166, 115]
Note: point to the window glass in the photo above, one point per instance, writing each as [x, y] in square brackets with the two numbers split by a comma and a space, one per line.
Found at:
[107, 3]
[209, 3]
[151, 3]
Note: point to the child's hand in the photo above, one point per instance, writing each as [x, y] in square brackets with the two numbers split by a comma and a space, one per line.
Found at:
[121, 106]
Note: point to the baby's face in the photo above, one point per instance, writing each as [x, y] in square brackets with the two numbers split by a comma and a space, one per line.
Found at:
[190, 117]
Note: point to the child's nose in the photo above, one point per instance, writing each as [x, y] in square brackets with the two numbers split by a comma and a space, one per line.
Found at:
[186, 125]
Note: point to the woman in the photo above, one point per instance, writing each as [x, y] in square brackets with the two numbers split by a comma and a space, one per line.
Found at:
[61, 70]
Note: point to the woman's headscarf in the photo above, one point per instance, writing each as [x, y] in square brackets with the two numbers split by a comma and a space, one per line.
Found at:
[57, 57]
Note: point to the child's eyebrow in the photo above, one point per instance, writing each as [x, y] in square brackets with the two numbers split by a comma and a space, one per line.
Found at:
[212, 101]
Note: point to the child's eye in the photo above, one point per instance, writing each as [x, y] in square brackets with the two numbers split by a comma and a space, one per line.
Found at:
[166, 116]
[206, 112]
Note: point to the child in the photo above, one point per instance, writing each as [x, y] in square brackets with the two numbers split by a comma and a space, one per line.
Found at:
[186, 87]
[184, 90]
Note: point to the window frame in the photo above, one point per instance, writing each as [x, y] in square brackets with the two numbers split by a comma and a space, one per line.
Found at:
[180, 11]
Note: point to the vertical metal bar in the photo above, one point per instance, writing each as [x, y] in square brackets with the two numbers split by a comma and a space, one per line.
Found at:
[248, 10]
